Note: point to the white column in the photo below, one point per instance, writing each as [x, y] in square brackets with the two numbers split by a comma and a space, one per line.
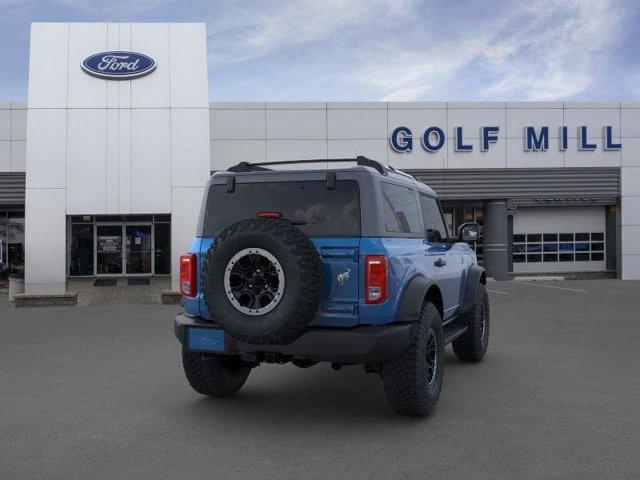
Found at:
[45, 241]
[630, 223]
[630, 191]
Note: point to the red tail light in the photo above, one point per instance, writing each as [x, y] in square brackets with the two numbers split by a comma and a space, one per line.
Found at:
[269, 214]
[376, 278]
[188, 269]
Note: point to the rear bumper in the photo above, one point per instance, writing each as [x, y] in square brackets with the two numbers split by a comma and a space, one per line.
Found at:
[355, 345]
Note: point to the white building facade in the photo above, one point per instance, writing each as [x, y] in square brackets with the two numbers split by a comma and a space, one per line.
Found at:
[115, 168]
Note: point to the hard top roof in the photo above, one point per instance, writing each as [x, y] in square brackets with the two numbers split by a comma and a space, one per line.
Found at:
[363, 164]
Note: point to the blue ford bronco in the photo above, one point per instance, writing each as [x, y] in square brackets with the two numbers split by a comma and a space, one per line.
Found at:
[344, 265]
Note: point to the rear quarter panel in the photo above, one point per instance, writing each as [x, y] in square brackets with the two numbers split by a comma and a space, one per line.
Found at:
[407, 259]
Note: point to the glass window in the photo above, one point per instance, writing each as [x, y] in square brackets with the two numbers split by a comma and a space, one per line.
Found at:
[399, 209]
[15, 242]
[4, 267]
[81, 254]
[534, 258]
[434, 225]
[519, 258]
[582, 246]
[566, 247]
[319, 211]
[468, 214]
[163, 248]
[571, 247]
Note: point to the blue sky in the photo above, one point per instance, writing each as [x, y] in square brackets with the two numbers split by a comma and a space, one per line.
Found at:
[378, 49]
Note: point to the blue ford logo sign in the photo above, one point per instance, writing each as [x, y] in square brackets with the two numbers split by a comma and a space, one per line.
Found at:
[118, 65]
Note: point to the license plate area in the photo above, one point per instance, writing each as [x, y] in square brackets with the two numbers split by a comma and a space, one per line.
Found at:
[205, 339]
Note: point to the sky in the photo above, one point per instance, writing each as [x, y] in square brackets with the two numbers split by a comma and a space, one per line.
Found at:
[377, 50]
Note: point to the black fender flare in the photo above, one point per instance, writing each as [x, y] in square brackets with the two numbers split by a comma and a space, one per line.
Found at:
[412, 299]
[475, 275]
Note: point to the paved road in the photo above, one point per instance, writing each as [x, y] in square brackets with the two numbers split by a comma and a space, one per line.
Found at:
[98, 392]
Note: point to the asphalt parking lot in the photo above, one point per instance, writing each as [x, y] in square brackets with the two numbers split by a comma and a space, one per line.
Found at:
[98, 392]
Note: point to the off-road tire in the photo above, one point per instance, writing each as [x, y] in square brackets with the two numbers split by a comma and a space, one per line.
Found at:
[472, 345]
[214, 375]
[303, 274]
[405, 377]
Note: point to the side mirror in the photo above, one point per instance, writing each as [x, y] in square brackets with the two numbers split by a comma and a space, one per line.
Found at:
[469, 232]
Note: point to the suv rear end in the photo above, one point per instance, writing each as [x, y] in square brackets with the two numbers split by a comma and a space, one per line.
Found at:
[341, 244]
[340, 217]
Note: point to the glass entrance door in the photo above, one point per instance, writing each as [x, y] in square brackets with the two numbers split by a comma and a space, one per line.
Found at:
[139, 250]
[109, 250]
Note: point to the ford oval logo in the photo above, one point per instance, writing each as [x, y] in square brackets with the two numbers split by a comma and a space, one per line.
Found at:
[118, 65]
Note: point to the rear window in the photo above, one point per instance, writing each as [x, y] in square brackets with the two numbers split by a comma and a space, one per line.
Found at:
[322, 212]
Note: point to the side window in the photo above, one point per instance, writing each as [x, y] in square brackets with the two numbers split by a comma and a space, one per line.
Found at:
[436, 232]
[399, 209]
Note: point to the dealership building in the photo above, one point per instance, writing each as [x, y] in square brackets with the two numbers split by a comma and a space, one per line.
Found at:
[102, 169]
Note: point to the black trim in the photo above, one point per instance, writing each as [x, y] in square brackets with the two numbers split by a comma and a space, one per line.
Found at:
[412, 299]
[474, 276]
[361, 344]
[260, 166]
[331, 180]
[231, 184]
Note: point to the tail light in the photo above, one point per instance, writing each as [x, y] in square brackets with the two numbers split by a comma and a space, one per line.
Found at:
[188, 269]
[269, 214]
[376, 278]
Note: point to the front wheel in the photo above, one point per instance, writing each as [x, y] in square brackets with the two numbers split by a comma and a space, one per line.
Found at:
[214, 375]
[412, 381]
[472, 345]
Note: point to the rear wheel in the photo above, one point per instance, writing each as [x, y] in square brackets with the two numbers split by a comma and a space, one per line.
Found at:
[214, 375]
[412, 381]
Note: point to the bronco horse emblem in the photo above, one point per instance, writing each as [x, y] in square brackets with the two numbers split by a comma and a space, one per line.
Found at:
[344, 276]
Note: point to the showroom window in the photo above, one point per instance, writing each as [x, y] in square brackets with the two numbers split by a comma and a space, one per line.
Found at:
[11, 242]
[115, 245]
[558, 247]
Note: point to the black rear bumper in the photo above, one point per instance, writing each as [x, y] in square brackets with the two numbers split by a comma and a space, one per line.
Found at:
[354, 345]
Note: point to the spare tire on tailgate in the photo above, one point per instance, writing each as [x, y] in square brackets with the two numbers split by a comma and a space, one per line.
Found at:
[262, 281]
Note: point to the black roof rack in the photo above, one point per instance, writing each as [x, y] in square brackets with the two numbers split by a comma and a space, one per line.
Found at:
[260, 166]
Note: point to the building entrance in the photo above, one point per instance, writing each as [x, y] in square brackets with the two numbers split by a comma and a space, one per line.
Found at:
[134, 245]
[124, 249]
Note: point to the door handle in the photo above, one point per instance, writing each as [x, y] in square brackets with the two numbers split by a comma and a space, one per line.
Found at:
[440, 262]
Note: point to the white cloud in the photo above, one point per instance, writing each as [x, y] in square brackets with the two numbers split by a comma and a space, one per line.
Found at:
[259, 29]
[545, 51]
[407, 50]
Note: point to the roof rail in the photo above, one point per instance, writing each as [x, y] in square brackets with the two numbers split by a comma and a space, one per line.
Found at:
[260, 166]
[400, 172]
